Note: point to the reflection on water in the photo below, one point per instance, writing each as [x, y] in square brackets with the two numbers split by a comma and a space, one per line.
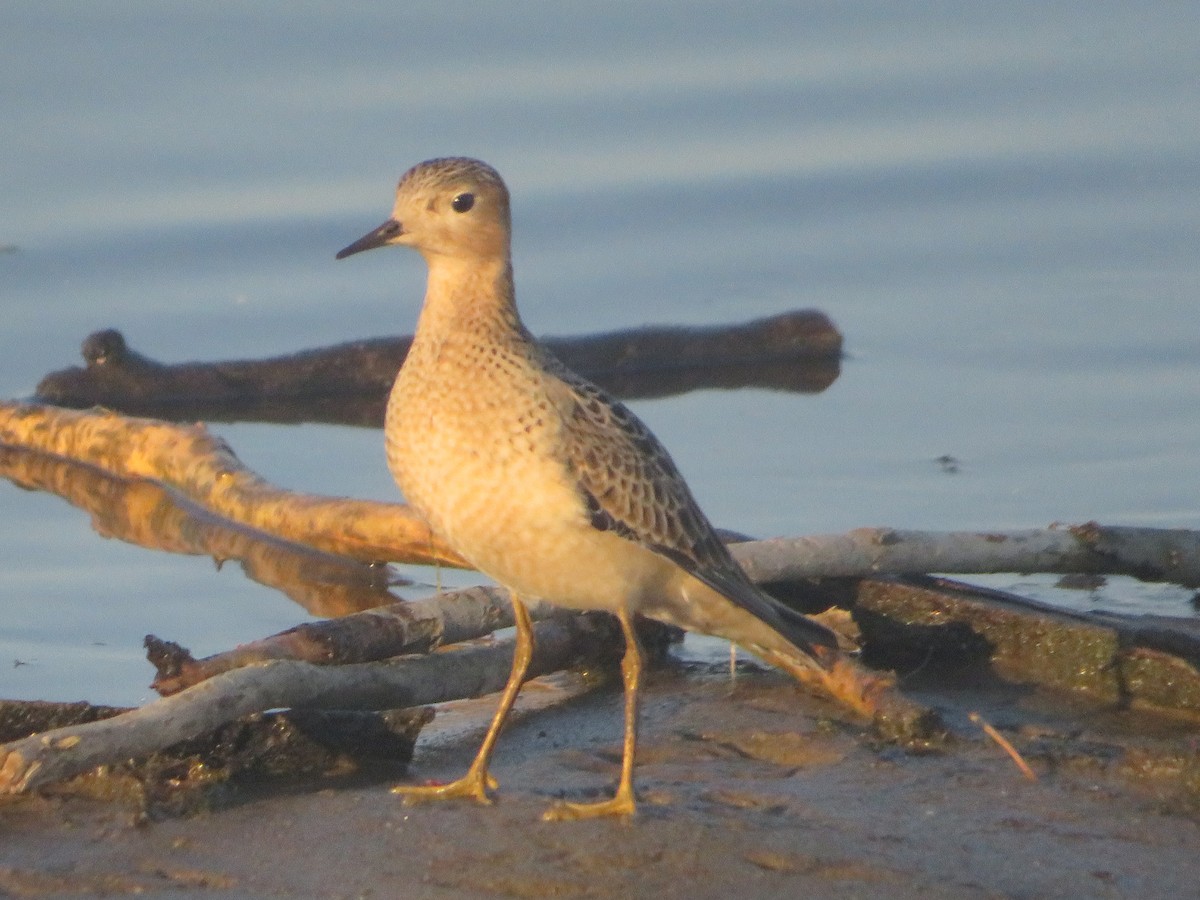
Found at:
[145, 513]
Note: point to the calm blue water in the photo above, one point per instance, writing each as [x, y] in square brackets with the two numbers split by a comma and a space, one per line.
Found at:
[999, 207]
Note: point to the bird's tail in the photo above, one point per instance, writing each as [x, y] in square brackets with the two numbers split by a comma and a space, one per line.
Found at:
[808, 651]
[844, 680]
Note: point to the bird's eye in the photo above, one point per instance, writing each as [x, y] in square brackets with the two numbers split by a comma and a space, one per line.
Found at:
[463, 202]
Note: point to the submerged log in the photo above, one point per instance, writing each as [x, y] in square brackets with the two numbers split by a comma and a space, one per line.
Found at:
[348, 383]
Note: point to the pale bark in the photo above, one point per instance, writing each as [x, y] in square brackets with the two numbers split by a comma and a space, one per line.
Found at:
[1151, 554]
[202, 467]
[415, 626]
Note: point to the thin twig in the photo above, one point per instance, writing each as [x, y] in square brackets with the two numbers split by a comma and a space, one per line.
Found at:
[1004, 745]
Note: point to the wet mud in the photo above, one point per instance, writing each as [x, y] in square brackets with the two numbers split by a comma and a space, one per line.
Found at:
[747, 788]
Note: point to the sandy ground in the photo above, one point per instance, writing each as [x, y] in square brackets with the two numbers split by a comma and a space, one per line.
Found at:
[748, 790]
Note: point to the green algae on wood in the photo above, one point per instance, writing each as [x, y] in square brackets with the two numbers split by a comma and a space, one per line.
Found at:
[1027, 641]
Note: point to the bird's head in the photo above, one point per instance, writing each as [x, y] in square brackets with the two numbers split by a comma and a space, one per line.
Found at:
[451, 207]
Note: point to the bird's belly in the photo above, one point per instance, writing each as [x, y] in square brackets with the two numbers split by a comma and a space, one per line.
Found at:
[577, 568]
[505, 502]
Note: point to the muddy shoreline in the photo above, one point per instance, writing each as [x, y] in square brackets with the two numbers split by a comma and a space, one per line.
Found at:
[748, 788]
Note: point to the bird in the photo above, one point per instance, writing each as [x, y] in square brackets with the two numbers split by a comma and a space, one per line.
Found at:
[539, 479]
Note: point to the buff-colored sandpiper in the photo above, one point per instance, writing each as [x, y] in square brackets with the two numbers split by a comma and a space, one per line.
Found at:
[537, 477]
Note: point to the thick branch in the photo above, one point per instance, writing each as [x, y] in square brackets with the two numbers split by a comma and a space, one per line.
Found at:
[417, 626]
[1151, 554]
[205, 470]
[1122, 660]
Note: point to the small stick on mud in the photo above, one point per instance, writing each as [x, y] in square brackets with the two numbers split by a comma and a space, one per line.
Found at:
[1004, 745]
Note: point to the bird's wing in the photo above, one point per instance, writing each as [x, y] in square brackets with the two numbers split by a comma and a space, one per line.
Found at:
[631, 487]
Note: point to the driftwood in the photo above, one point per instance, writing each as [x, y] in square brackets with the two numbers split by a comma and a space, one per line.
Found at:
[329, 585]
[201, 467]
[406, 682]
[1148, 662]
[154, 467]
[416, 626]
[21, 718]
[188, 776]
[150, 514]
[904, 623]
[1023, 641]
[1149, 554]
[147, 455]
[411, 681]
[463, 615]
[190, 460]
[348, 383]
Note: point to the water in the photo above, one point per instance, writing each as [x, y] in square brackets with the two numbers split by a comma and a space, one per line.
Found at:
[999, 207]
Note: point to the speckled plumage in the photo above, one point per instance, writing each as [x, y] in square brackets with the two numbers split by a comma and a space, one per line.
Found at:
[533, 474]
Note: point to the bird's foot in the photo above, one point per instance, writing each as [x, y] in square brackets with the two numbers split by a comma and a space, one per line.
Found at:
[472, 786]
[622, 805]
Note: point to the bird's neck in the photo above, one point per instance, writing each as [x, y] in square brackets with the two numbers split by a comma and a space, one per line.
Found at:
[464, 295]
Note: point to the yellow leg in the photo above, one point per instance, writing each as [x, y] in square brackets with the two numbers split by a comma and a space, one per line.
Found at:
[476, 783]
[623, 802]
